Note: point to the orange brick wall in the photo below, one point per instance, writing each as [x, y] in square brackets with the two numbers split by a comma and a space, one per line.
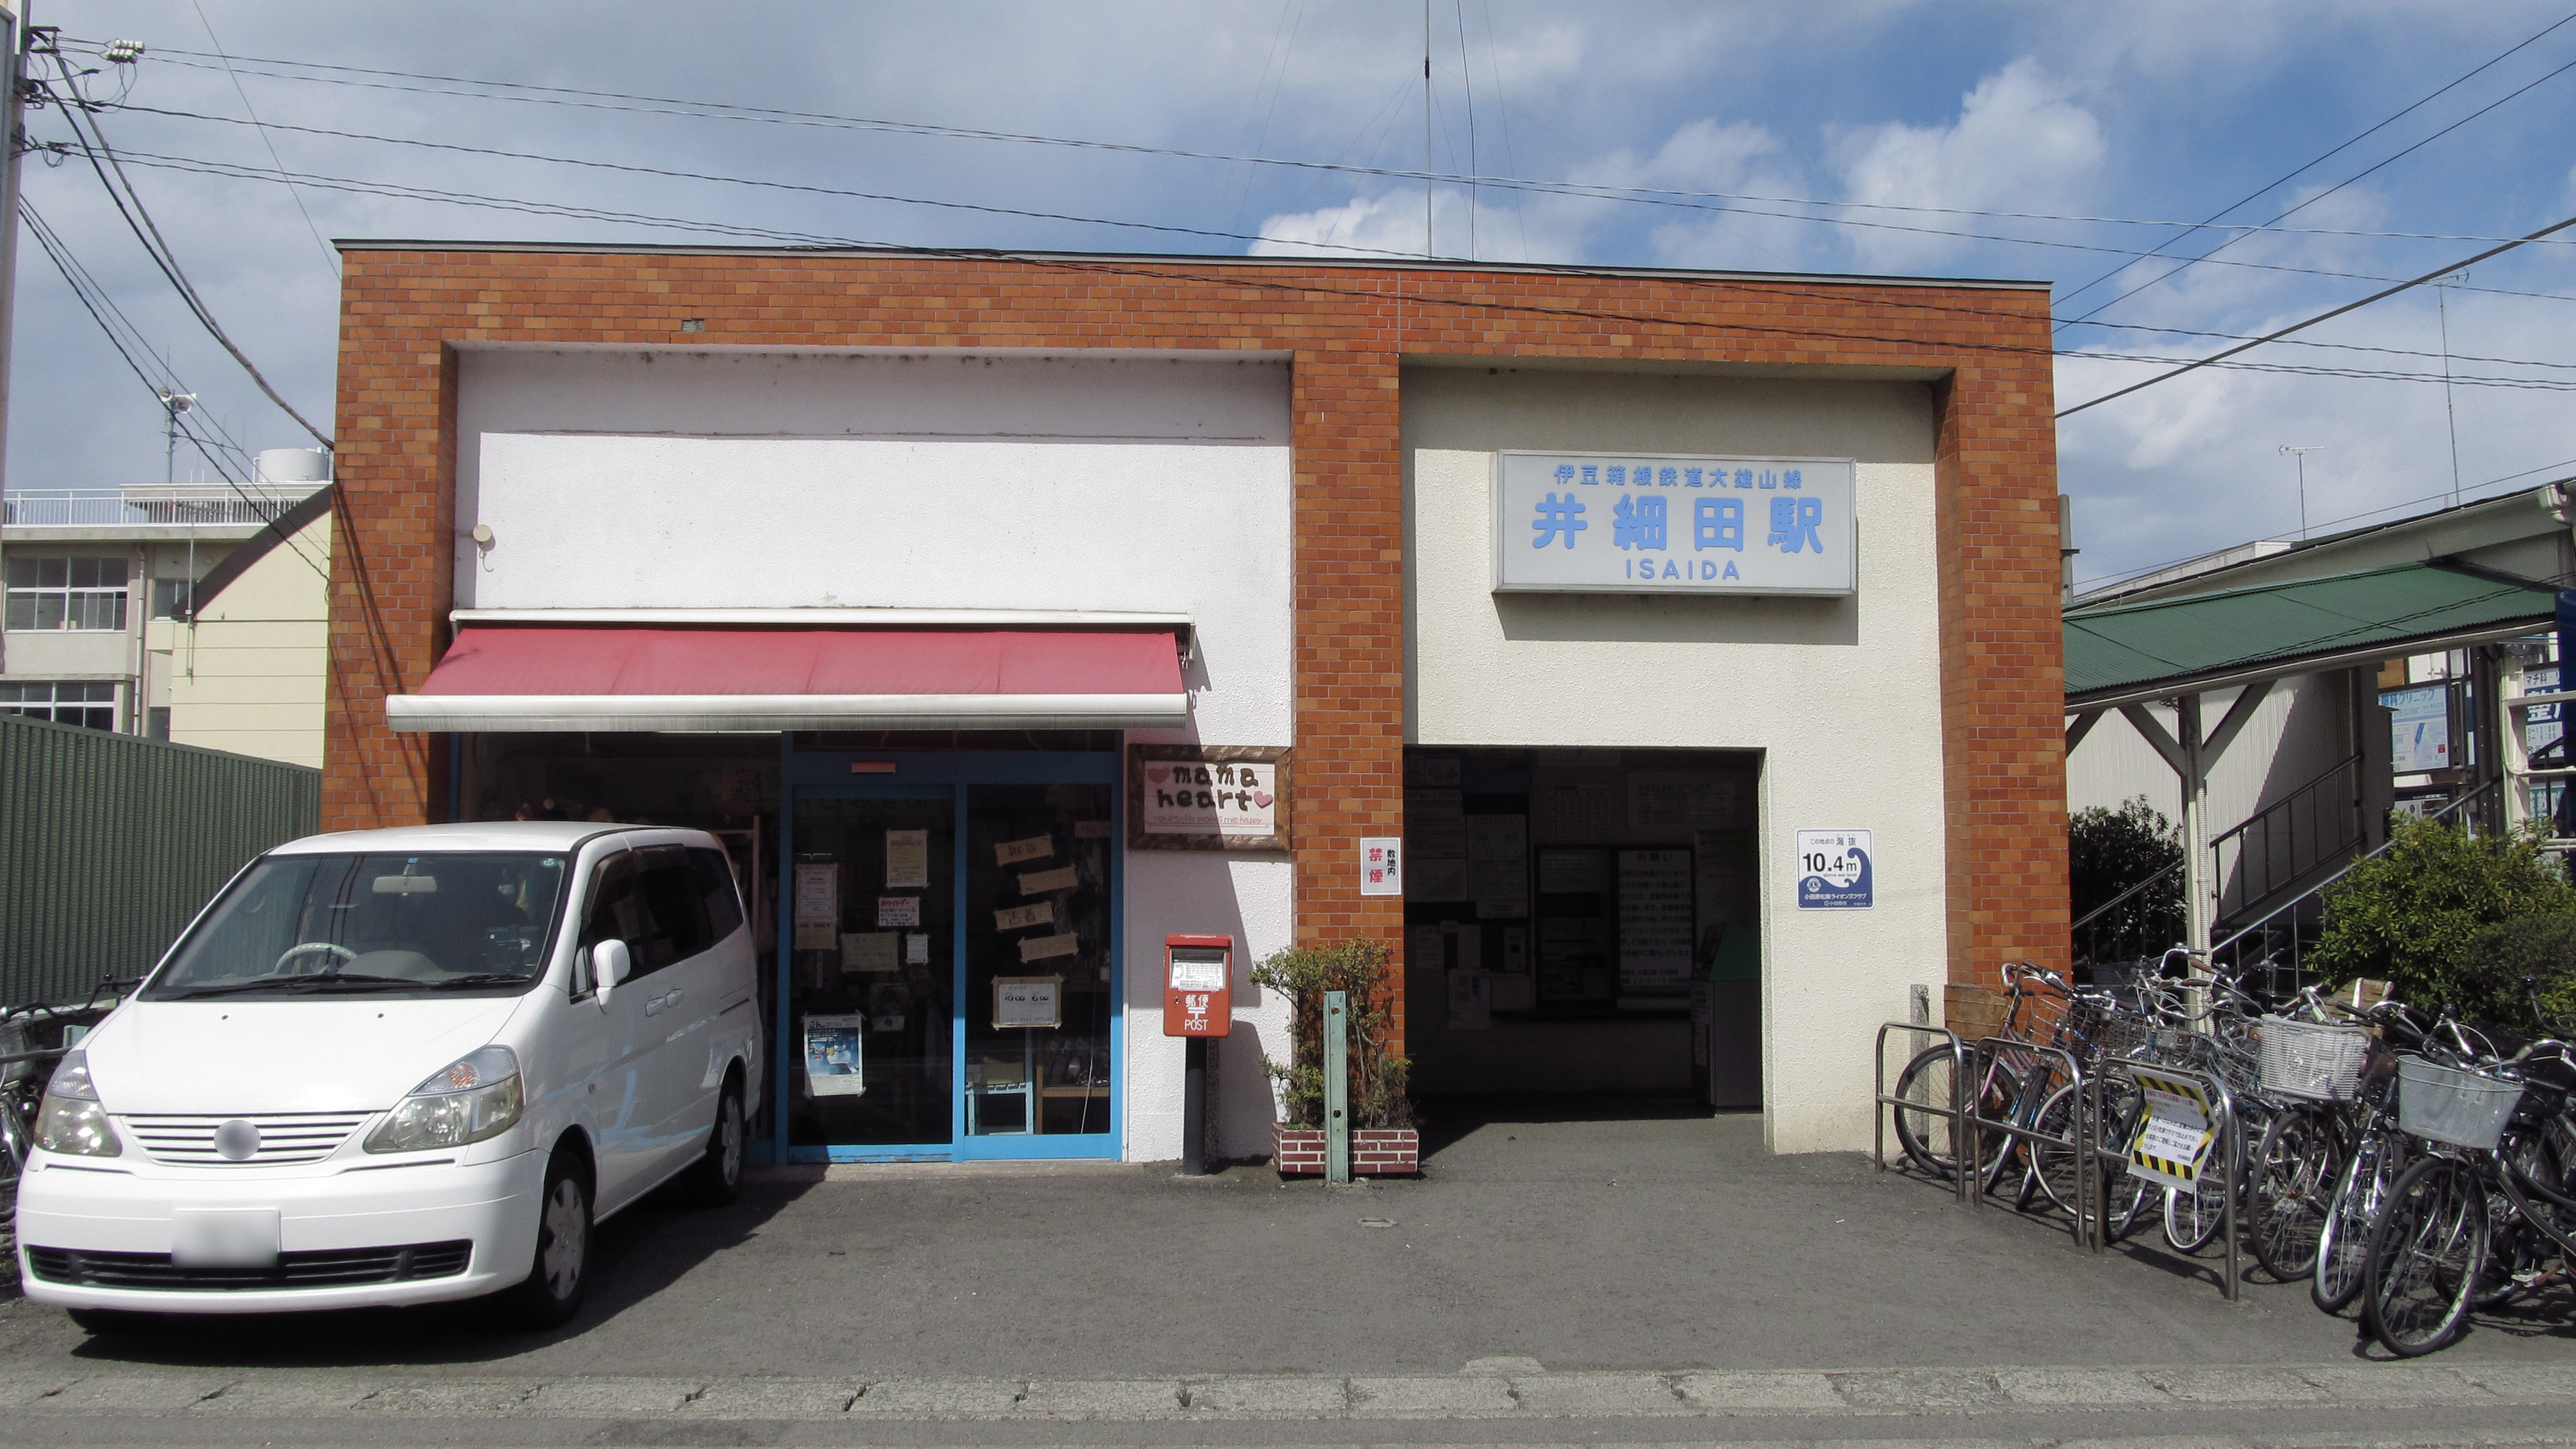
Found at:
[1347, 329]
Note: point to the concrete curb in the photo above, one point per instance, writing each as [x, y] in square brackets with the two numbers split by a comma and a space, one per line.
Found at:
[1482, 1393]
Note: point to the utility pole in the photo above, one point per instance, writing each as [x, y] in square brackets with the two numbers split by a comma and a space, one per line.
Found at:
[2301, 451]
[13, 116]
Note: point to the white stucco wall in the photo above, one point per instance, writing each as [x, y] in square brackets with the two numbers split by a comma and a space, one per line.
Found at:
[620, 479]
[1841, 695]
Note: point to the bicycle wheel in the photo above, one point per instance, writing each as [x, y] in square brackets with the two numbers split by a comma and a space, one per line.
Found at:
[2343, 1241]
[2053, 1169]
[2127, 1194]
[1926, 1135]
[2425, 1256]
[2287, 1184]
[2193, 1218]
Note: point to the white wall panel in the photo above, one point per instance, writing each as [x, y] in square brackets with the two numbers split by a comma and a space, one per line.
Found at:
[619, 479]
[1842, 696]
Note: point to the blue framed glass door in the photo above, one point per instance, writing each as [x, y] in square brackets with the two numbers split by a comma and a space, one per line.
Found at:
[948, 959]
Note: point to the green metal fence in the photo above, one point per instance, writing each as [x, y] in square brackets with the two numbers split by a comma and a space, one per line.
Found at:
[110, 843]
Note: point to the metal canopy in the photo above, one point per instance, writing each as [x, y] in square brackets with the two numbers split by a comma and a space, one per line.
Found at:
[2129, 654]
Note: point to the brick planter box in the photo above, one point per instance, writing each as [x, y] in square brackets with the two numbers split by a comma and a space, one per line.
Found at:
[1375, 1151]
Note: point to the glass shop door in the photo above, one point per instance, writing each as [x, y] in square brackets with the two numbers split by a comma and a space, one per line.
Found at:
[1038, 994]
[950, 969]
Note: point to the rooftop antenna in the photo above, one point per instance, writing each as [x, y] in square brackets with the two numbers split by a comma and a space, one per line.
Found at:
[2301, 451]
[1426, 130]
[173, 403]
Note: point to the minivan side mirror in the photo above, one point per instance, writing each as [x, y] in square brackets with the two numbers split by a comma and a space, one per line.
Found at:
[609, 965]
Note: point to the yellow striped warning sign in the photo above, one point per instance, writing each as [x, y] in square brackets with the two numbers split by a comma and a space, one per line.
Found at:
[2174, 1136]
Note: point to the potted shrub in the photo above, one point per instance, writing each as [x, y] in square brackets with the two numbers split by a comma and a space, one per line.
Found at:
[1383, 1139]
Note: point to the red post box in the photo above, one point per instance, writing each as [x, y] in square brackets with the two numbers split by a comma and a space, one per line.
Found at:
[1198, 985]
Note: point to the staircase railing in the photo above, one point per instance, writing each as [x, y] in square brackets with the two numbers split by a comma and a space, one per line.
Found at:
[2281, 845]
[2280, 939]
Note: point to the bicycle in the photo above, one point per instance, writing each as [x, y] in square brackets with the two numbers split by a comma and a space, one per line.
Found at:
[2375, 1156]
[2013, 1086]
[2495, 1131]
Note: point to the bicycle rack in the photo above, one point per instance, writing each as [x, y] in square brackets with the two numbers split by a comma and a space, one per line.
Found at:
[2079, 1132]
[1956, 1112]
[2228, 1145]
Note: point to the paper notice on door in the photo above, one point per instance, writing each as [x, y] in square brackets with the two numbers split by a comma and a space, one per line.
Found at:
[907, 860]
[834, 1066]
[1012, 852]
[865, 951]
[818, 904]
[898, 910]
[1020, 918]
[1026, 1001]
[1039, 882]
[916, 949]
[1044, 948]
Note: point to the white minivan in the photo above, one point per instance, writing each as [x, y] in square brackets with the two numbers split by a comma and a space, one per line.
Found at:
[402, 1066]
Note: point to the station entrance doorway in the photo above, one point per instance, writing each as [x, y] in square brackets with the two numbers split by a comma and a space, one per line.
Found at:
[1584, 922]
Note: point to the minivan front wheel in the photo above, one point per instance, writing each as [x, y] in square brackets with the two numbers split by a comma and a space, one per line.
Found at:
[559, 1277]
[716, 1179]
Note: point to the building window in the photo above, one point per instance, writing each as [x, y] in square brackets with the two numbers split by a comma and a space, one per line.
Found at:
[90, 705]
[66, 593]
[173, 598]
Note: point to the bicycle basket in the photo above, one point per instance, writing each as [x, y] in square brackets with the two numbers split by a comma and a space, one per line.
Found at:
[2312, 1061]
[2125, 1034]
[2442, 1104]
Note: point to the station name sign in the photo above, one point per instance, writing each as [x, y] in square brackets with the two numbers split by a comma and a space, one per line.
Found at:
[1605, 523]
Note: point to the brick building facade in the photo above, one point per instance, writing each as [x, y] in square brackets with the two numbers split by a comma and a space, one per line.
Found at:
[1353, 339]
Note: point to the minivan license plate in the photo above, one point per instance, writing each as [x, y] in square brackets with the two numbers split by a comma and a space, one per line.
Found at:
[223, 1238]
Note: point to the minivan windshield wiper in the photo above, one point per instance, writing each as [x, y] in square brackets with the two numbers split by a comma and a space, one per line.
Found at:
[330, 983]
[480, 979]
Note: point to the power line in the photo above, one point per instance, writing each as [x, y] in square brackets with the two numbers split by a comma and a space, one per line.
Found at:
[2338, 186]
[718, 178]
[2294, 172]
[2320, 317]
[330, 257]
[575, 211]
[821, 241]
[119, 327]
[72, 275]
[93, 144]
[93, 299]
[726, 111]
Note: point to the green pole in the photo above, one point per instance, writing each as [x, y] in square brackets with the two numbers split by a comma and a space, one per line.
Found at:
[1337, 1087]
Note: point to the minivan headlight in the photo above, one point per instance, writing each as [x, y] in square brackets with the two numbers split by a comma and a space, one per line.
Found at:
[472, 1098]
[71, 1121]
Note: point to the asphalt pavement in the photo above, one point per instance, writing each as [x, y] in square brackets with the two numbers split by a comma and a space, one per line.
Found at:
[1633, 1247]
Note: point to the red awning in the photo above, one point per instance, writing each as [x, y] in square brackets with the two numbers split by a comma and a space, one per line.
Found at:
[604, 678]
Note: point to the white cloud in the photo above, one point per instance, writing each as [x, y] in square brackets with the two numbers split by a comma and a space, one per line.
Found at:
[2020, 144]
[1389, 224]
[2195, 464]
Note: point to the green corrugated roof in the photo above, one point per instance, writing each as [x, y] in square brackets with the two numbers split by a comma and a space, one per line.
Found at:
[2128, 646]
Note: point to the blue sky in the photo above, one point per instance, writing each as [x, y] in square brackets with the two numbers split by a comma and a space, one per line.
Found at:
[1945, 139]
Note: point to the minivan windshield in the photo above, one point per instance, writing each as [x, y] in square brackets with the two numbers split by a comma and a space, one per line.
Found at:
[377, 924]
